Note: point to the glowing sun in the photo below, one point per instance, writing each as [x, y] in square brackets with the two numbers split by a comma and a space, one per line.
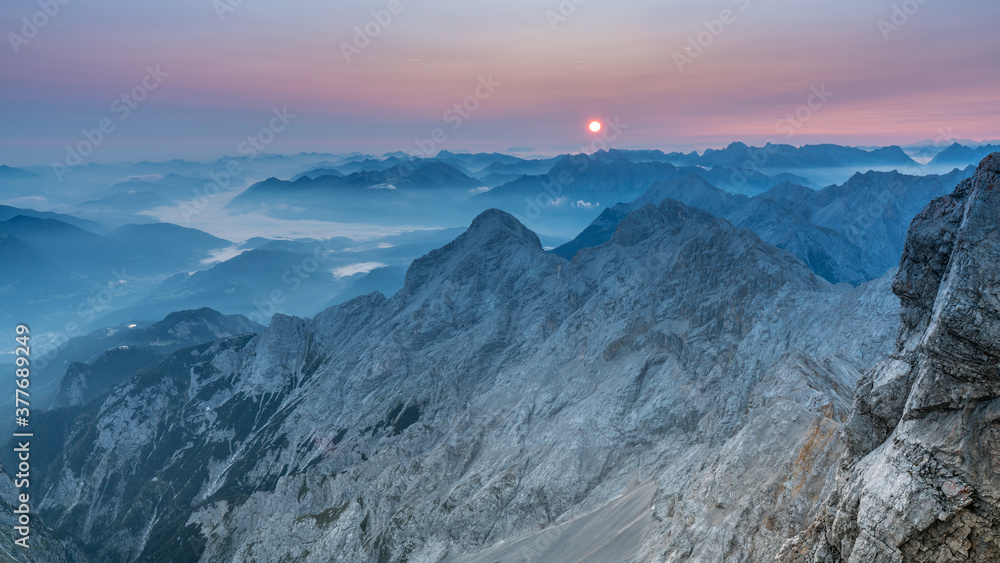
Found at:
[595, 126]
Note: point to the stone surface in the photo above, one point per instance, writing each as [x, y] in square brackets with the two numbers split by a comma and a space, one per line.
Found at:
[919, 480]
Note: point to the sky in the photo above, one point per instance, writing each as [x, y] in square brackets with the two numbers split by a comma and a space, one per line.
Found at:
[196, 78]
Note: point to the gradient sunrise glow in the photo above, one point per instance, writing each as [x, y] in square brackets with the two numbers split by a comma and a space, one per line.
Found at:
[554, 64]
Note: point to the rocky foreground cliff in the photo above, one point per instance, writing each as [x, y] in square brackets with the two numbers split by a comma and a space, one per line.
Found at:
[683, 391]
[921, 475]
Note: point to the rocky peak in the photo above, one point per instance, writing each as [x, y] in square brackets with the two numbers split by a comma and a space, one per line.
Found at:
[493, 221]
[692, 190]
[788, 195]
[647, 221]
[495, 241]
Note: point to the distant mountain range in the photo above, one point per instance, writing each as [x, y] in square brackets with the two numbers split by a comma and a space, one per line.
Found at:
[293, 277]
[809, 156]
[8, 212]
[566, 189]
[63, 279]
[73, 260]
[850, 233]
[141, 249]
[427, 190]
[958, 155]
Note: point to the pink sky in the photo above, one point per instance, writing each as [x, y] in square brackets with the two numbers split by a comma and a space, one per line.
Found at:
[936, 72]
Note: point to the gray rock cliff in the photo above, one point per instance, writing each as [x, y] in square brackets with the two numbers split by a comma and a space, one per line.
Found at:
[919, 480]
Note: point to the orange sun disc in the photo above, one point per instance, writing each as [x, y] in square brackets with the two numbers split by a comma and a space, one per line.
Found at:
[595, 126]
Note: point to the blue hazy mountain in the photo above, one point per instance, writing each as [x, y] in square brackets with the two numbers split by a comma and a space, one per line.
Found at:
[21, 183]
[79, 251]
[297, 277]
[146, 249]
[565, 199]
[809, 156]
[256, 283]
[499, 173]
[8, 212]
[851, 233]
[160, 247]
[169, 186]
[368, 185]
[8, 173]
[386, 280]
[961, 156]
[176, 180]
[491, 169]
[477, 161]
[121, 208]
[89, 364]
[424, 193]
[66, 278]
[317, 172]
[371, 165]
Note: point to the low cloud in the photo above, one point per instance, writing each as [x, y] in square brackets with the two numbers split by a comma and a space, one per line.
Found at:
[359, 268]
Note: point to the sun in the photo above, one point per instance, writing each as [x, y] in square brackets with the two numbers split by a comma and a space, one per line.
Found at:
[595, 126]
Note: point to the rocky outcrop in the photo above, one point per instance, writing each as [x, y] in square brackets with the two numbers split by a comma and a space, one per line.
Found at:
[920, 479]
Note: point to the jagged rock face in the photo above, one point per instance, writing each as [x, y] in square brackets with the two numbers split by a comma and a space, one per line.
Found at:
[920, 476]
[503, 390]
